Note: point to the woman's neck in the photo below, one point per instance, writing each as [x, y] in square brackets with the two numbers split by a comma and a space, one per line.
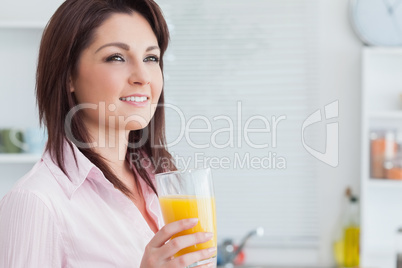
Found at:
[112, 146]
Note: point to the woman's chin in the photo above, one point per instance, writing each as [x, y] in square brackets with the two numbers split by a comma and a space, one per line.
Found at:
[136, 126]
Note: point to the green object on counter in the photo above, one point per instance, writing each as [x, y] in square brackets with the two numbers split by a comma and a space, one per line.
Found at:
[11, 140]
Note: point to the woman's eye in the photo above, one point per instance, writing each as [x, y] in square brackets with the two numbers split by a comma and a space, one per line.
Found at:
[152, 59]
[115, 57]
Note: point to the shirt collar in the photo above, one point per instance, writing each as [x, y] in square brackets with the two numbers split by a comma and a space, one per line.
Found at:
[77, 172]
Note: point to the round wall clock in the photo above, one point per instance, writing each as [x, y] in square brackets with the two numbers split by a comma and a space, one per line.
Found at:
[377, 22]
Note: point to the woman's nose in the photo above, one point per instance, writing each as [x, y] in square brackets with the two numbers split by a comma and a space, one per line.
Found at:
[140, 75]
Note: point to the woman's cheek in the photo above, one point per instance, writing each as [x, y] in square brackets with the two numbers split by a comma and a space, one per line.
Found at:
[157, 93]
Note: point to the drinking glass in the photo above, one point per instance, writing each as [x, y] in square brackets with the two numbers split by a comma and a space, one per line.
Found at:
[189, 194]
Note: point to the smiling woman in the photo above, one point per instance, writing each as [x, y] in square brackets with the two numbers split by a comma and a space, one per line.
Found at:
[119, 70]
[99, 93]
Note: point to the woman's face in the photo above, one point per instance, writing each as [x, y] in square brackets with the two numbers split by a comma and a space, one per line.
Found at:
[119, 75]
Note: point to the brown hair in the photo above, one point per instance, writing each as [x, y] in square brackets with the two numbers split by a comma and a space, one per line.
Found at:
[69, 31]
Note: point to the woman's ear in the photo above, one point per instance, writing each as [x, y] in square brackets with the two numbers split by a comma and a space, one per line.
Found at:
[71, 85]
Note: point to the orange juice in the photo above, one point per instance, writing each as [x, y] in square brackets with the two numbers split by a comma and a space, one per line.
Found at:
[180, 207]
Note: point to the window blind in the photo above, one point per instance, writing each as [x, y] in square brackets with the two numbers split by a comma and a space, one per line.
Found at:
[240, 79]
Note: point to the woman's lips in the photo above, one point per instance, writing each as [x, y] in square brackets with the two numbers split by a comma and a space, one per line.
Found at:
[136, 100]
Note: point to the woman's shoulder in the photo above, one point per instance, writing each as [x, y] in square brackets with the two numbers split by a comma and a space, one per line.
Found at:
[39, 182]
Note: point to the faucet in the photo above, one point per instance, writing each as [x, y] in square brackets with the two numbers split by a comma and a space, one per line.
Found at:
[227, 249]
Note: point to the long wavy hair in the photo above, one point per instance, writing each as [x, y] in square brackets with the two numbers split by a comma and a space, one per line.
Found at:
[69, 31]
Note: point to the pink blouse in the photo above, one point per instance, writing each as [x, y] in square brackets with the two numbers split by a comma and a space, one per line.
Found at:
[49, 220]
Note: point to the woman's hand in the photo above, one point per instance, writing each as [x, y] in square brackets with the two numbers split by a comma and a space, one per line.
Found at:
[158, 253]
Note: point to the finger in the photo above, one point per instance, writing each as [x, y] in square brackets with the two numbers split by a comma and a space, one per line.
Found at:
[171, 229]
[180, 242]
[190, 258]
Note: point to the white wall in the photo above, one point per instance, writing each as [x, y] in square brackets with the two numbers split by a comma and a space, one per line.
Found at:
[339, 72]
[339, 79]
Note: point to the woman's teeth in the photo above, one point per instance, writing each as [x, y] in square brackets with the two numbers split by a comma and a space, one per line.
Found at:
[136, 99]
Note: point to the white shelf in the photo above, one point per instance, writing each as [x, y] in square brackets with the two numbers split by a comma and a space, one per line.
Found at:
[19, 158]
[381, 199]
[30, 25]
[385, 183]
[385, 115]
[383, 50]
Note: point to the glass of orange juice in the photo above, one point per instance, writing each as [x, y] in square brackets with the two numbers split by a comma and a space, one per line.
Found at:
[189, 194]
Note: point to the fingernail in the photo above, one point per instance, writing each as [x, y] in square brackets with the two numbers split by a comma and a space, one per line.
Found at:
[193, 220]
[209, 235]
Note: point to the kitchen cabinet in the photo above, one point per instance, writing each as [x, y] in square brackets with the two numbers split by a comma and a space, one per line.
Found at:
[21, 26]
[381, 199]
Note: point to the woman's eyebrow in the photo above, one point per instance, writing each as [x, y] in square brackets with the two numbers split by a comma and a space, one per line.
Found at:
[124, 46]
[152, 48]
[115, 44]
